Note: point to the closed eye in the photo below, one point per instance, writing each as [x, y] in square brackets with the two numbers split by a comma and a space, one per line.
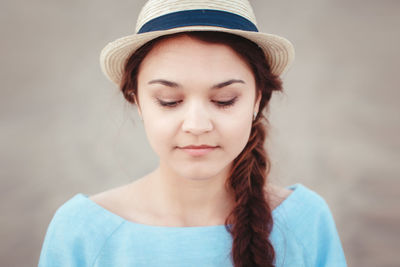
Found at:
[226, 104]
[168, 104]
[220, 104]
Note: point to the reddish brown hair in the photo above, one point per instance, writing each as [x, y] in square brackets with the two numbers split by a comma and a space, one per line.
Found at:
[250, 221]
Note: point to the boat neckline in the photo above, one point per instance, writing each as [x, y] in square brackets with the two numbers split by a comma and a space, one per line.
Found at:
[295, 188]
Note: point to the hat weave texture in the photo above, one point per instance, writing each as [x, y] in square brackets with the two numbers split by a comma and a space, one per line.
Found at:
[216, 15]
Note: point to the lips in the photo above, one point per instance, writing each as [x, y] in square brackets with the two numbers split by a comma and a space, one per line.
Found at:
[198, 151]
[198, 147]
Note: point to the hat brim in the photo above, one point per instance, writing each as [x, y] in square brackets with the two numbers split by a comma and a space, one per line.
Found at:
[278, 50]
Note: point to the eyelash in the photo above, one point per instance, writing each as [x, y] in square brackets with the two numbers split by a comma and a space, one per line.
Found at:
[220, 104]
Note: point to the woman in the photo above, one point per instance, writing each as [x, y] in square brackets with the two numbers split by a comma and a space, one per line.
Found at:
[201, 76]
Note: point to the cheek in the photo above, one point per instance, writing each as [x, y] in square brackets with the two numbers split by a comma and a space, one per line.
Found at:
[235, 133]
[160, 133]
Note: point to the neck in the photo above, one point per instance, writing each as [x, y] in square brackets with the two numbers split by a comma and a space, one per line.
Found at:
[193, 202]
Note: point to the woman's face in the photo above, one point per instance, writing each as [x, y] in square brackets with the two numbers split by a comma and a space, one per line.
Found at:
[193, 93]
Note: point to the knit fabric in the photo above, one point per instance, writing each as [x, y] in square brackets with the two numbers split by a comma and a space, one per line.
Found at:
[82, 233]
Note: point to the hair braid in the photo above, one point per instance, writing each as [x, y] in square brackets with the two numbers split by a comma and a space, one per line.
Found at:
[251, 214]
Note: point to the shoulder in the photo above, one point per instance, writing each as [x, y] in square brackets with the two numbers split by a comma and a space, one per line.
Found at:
[126, 201]
[276, 195]
[304, 206]
[297, 201]
[81, 213]
[305, 218]
[76, 233]
[111, 200]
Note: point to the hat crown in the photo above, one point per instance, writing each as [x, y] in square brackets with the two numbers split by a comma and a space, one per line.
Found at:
[156, 8]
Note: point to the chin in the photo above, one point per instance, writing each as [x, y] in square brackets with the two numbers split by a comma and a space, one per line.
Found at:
[200, 172]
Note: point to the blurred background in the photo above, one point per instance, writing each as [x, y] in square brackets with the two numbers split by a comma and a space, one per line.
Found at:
[66, 129]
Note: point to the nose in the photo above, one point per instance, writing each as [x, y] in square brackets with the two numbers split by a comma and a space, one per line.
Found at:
[197, 120]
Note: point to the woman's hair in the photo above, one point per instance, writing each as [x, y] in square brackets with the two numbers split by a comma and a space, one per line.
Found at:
[250, 221]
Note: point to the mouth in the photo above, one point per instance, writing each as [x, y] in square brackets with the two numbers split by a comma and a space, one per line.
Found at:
[198, 147]
[197, 151]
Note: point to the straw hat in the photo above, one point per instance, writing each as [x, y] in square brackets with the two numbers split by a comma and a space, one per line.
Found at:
[163, 17]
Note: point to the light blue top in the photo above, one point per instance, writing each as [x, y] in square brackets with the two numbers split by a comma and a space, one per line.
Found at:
[82, 233]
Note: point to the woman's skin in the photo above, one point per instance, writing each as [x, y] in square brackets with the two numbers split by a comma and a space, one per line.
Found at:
[187, 189]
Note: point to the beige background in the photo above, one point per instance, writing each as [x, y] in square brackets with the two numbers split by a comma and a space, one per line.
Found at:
[66, 129]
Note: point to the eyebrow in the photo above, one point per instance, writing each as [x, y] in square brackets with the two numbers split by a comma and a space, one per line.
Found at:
[176, 85]
[165, 82]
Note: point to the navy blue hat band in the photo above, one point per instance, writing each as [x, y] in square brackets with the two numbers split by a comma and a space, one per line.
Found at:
[199, 17]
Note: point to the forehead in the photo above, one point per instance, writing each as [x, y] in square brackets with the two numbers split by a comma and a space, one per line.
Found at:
[185, 58]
